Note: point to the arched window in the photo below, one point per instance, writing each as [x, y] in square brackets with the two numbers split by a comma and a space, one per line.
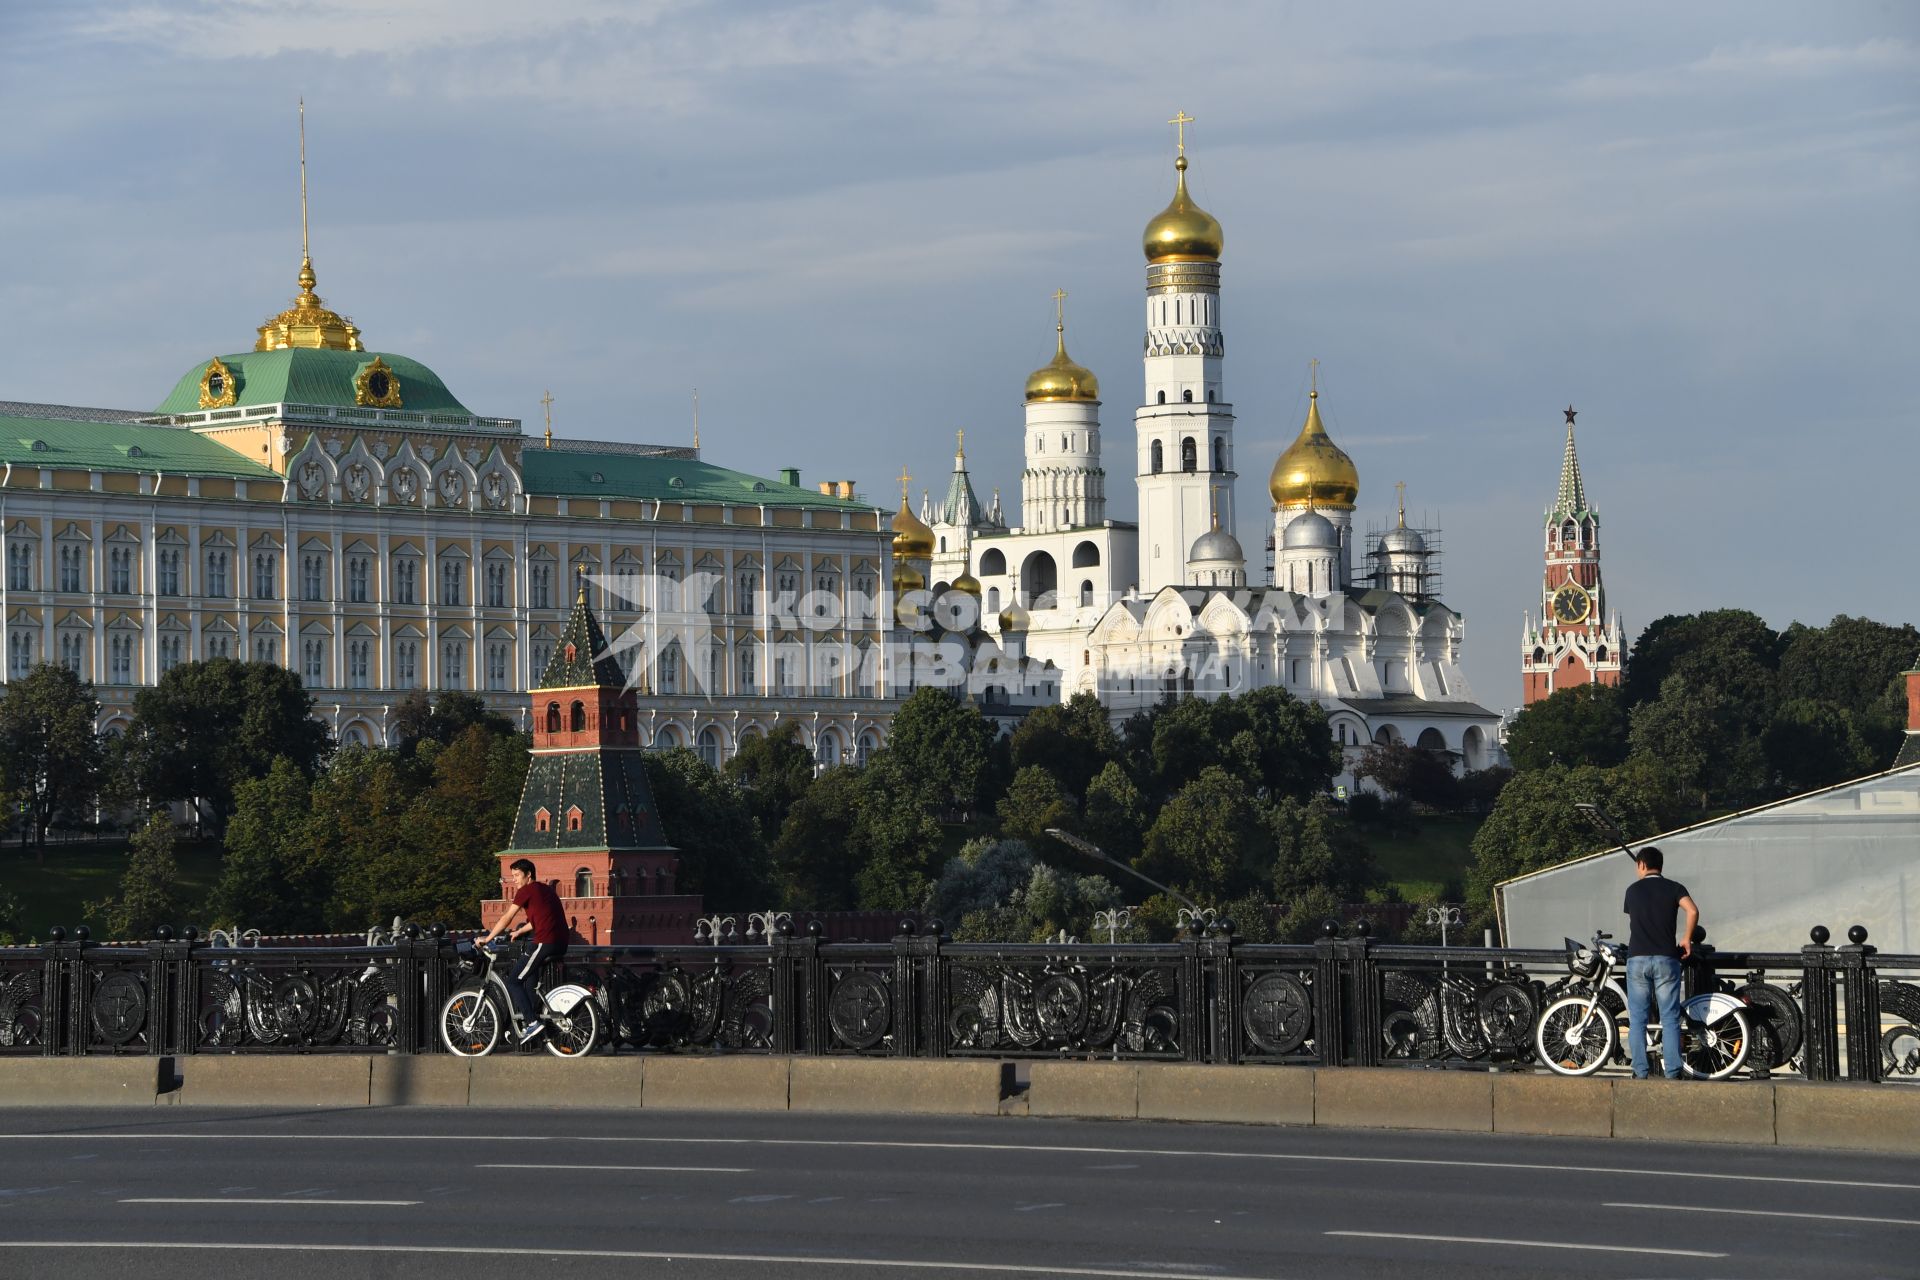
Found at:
[1158, 466]
[577, 717]
[1569, 534]
[574, 817]
[583, 883]
[1209, 397]
[993, 599]
[710, 748]
[1086, 594]
[1219, 453]
[542, 820]
[1539, 655]
[1187, 395]
[1189, 456]
[1163, 397]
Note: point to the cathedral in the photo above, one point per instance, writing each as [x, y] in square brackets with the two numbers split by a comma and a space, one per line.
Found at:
[1136, 612]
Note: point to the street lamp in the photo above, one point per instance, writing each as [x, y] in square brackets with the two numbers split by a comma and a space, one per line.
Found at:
[1443, 916]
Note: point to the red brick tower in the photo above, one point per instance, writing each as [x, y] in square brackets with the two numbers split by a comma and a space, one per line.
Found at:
[587, 818]
[1573, 642]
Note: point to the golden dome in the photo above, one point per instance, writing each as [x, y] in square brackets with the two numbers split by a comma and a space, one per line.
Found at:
[907, 578]
[1060, 378]
[1314, 470]
[308, 323]
[912, 539]
[1183, 231]
[1014, 618]
[968, 583]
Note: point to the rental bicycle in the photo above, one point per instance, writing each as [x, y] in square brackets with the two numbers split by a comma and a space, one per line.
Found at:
[1580, 1033]
[474, 1015]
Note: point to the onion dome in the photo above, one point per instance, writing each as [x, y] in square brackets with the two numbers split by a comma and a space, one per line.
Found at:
[308, 322]
[968, 583]
[1062, 379]
[1183, 231]
[1403, 541]
[1310, 531]
[912, 539]
[1314, 469]
[907, 578]
[1014, 618]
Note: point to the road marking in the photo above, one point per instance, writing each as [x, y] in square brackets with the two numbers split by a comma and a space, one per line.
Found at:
[241, 1200]
[1022, 1148]
[1771, 1213]
[1529, 1244]
[622, 1168]
[894, 1264]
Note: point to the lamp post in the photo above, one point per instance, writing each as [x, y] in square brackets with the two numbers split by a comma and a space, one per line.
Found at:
[1443, 916]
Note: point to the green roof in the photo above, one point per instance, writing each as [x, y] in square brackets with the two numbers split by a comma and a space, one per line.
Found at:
[582, 657]
[120, 446]
[303, 375]
[570, 473]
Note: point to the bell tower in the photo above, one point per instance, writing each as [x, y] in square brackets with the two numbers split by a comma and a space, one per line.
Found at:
[587, 819]
[1573, 642]
[1184, 429]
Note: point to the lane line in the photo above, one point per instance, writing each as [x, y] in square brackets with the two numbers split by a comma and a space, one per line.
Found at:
[1771, 1213]
[638, 1255]
[239, 1200]
[621, 1168]
[1022, 1148]
[1528, 1244]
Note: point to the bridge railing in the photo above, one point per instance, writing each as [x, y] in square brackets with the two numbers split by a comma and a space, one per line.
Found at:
[1823, 1013]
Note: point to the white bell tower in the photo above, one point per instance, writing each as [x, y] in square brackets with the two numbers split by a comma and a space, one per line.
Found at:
[1184, 426]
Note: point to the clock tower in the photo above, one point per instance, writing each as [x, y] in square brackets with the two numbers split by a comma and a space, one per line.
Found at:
[1573, 641]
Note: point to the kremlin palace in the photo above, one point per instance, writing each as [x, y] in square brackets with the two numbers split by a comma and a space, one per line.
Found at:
[337, 510]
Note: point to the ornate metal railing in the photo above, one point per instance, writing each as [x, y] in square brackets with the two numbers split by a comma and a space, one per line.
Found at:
[1824, 1012]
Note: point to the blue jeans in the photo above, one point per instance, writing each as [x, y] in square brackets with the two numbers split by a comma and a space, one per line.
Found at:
[1651, 980]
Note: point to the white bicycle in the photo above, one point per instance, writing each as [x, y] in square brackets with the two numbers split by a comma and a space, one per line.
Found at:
[473, 1016]
[1580, 1033]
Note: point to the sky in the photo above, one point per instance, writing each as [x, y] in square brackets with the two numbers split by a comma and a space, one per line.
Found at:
[843, 223]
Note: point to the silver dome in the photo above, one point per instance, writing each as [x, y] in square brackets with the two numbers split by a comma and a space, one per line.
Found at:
[1403, 541]
[1216, 544]
[1310, 529]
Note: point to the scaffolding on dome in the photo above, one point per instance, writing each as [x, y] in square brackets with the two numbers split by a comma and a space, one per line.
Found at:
[1420, 583]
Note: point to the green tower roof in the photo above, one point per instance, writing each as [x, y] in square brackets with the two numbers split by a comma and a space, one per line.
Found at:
[307, 375]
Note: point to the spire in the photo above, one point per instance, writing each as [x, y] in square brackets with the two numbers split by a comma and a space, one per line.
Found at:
[307, 323]
[1401, 486]
[1573, 491]
[582, 659]
[960, 506]
[960, 450]
[546, 403]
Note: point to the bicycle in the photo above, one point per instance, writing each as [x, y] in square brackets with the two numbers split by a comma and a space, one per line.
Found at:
[472, 1017]
[1579, 1034]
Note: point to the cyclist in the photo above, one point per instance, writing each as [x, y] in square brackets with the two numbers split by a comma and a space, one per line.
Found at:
[536, 909]
[1654, 952]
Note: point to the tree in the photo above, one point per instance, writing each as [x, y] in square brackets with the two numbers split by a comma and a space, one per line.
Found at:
[982, 876]
[50, 753]
[1812, 744]
[1535, 825]
[1730, 650]
[708, 818]
[208, 726]
[269, 878]
[1851, 663]
[1412, 773]
[1073, 741]
[774, 771]
[1586, 724]
[418, 718]
[1211, 839]
[1696, 736]
[1116, 814]
[893, 838]
[811, 858]
[1034, 802]
[1280, 745]
[944, 747]
[149, 888]
[357, 823]
[1315, 848]
[13, 929]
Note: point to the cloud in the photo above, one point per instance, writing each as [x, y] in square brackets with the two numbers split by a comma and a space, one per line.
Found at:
[1758, 64]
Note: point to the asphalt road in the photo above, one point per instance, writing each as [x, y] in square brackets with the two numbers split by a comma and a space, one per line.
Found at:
[390, 1193]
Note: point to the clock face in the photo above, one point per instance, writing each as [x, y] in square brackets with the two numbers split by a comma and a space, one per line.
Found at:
[378, 385]
[1571, 604]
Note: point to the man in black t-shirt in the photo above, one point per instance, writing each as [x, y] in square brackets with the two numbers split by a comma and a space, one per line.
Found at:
[1654, 952]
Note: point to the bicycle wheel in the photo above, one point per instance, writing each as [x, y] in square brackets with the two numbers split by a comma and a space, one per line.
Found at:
[1774, 1011]
[575, 1032]
[469, 1024]
[1717, 1049]
[1575, 1038]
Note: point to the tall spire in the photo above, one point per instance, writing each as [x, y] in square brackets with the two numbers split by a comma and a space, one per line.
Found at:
[1573, 491]
[308, 322]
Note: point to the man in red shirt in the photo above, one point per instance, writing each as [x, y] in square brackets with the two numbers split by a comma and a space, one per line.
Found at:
[536, 908]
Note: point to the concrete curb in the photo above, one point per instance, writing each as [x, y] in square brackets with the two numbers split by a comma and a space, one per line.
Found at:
[1856, 1117]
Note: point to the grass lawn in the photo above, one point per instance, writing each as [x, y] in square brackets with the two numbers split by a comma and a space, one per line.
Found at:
[75, 874]
[1423, 860]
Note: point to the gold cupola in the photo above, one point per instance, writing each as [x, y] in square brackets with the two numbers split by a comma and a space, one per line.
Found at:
[1183, 231]
[967, 584]
[1314, 471]
[1060, 378]
[912, 539]
[308, 323]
